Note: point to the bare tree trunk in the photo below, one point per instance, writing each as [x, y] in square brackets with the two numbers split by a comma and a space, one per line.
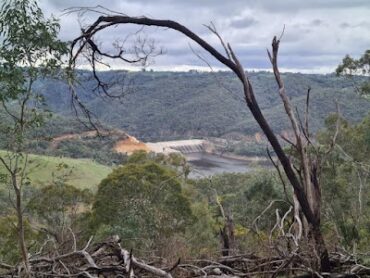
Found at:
[227, 236]
[321, 249]
[20, 225]
[227, 232]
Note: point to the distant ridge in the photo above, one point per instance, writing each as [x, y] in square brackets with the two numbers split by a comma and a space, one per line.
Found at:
[163, 106]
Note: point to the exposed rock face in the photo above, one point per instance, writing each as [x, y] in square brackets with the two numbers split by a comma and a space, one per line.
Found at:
[130, 145]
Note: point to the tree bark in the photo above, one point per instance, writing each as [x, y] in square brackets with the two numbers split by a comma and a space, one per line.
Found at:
[20, 225]
[227, 236]
[321, 249]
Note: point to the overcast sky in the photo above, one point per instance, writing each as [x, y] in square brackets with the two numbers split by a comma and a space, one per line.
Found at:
[318, 33]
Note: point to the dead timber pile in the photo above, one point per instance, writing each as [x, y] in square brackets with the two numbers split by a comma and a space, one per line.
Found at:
[110, 259]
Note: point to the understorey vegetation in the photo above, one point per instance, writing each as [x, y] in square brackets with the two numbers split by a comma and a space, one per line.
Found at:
[236, 224]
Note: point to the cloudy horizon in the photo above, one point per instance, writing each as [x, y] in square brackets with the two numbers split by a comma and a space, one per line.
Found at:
[317, 35]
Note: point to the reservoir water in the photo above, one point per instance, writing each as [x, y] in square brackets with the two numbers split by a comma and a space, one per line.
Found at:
[205, 164]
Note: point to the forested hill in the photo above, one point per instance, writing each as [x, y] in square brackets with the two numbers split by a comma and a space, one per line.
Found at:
[170, 105]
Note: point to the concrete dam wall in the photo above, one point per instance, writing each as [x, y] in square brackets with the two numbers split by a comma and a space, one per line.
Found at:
[179, 146]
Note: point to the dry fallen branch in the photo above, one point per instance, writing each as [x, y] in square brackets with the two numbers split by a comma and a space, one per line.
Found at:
[107, 258]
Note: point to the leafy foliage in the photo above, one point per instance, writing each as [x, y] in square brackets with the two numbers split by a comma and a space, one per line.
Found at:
[351, 67]
[29, 50]
[8, 242]
[143, 203]
[245, 197]
[57, 207]
[345, 181]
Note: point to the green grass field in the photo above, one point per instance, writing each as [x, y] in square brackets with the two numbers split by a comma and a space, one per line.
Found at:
[81, 173]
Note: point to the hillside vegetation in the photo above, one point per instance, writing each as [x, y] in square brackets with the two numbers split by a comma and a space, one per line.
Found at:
[172, 105]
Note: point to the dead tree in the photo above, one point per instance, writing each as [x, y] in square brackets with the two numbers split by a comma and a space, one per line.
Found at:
[304, 177]
[227, 232]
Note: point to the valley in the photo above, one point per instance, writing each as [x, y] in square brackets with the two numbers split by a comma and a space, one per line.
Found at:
[206, 157]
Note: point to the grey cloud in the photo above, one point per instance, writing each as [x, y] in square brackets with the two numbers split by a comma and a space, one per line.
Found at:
[362, 24]
[243, 22]
[317, 33]
[265, 4]
[317, 22]
[287, 6]
[61, 5]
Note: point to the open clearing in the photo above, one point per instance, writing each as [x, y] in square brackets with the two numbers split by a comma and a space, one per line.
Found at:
[81, 173]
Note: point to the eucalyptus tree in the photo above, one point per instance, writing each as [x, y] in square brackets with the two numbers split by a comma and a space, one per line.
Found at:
[351, 67]
[29, 50]
[143, 203]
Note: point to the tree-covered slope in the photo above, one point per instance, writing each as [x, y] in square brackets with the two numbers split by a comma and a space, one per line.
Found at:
[169, 105]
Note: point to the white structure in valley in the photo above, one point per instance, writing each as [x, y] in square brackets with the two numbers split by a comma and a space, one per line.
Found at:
[178, 146]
